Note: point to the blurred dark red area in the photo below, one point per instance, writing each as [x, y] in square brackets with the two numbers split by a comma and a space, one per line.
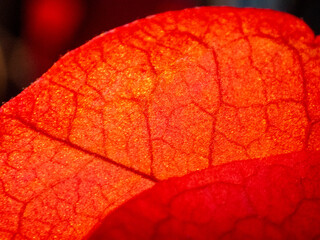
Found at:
[53, 27]
[36, 33]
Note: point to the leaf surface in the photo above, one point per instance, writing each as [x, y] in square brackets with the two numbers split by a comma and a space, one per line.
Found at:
[158, 98]
[271, 198]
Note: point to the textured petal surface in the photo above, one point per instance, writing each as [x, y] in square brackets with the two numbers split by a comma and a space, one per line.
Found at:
[158, 98]
[270, 198]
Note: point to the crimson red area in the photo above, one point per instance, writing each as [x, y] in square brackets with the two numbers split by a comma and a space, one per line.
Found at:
[51, 23]
[53, 27]
[271, 198]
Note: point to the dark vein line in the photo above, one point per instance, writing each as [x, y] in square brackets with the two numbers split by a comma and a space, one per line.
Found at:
[150, 145]
[96, 155]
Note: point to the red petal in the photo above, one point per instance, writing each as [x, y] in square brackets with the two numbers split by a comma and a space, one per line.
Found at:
[271, 198]
[161, 97]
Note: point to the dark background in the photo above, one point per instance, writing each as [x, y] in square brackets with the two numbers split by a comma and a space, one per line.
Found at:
[35, 33]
